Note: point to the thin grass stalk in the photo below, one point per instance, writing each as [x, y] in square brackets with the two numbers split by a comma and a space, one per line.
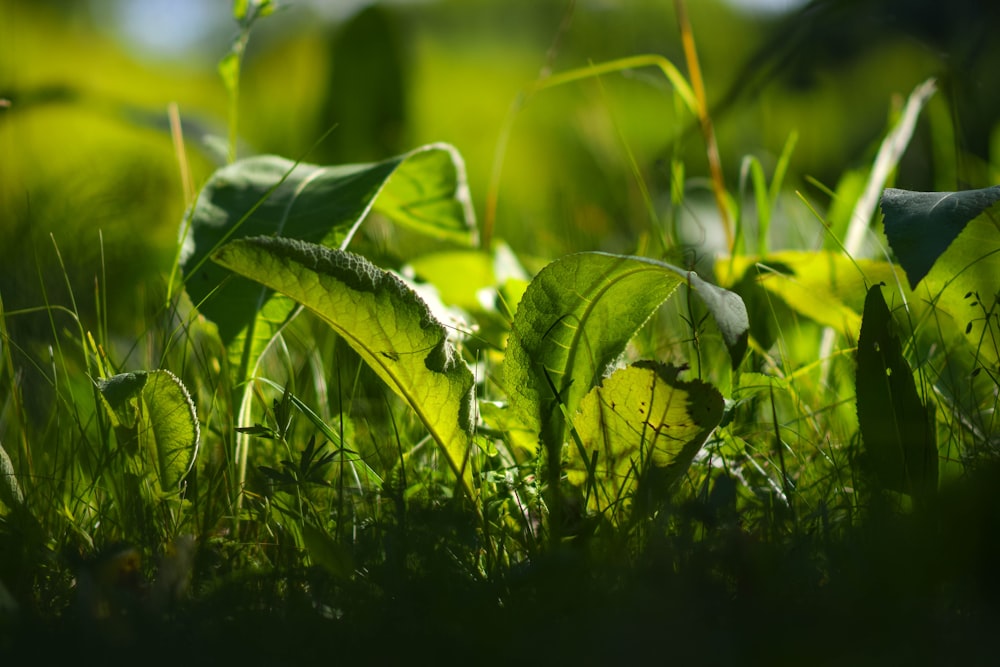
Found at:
[183, 166]
[708, 132]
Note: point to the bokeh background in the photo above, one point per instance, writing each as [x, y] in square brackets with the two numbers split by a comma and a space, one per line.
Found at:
[90, 184]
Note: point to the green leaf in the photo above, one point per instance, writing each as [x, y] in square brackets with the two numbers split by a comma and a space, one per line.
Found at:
[825, 286]
[229, 70]
[574, 321]
[474, 266]
[429, 194]
[173, 436]
[240, 9]
[897, 430]
[156, 406]
[326, 552]
[424, 189]
[729, 312]
[921, 225]
[11, 494]
[383, 320]
[121, 394]
[643, 427]
[500, 417]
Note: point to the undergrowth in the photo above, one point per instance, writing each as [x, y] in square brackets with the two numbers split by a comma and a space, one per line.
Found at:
[310, 494]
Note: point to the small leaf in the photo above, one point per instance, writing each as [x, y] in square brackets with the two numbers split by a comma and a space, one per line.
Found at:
[921, 225]
[121, 394]
[258, 430]
[174, 434]
[897, 430]
[383, 320]
[240, 9]
[229, 70]
[645, 427]
[730, 315]
[11, 494]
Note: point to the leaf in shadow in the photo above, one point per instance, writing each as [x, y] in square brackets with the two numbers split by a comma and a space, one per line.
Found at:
[921, 225]
[897, 429]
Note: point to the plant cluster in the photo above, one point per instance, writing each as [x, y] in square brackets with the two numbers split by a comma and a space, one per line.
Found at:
[350, 433]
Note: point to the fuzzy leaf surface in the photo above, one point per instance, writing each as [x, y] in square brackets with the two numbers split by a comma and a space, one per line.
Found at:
[424, 189]
[385, 322]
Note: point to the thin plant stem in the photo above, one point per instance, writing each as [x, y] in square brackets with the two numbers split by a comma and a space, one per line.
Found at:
[712, 146]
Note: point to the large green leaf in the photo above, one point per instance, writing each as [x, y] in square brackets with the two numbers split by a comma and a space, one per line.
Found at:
[382, 319]
[424, 189]
[155, 418]
[921, 225]
[898, 431]
[641, 426]
[574, 321]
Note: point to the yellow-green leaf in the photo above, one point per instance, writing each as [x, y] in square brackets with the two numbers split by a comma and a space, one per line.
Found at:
[641, 426]
[385, 322]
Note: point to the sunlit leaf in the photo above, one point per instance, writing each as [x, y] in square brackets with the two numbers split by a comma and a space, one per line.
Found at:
[155, 409]
[921, 225]
[383, 320]
[574, 321]
[825, 286]
[424, 189]
[897, 430]
[829, 288]
[500, 417]
[174, 433]
[641, 428]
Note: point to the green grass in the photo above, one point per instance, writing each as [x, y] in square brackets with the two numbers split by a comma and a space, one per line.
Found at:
[368, 483]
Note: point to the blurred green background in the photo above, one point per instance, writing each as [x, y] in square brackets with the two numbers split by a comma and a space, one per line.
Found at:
[87, 163]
